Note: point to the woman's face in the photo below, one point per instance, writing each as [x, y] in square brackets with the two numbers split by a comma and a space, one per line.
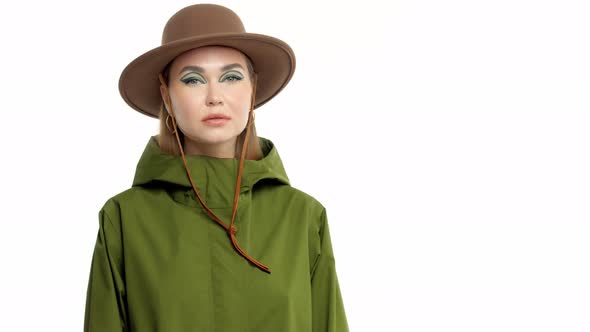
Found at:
[210, 80]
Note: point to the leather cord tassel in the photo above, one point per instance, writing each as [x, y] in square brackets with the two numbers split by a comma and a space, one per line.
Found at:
[231, 229]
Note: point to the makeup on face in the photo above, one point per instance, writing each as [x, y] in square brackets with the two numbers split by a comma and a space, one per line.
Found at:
[195, 74]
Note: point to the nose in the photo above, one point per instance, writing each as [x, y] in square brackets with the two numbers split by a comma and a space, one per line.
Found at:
[213, 94]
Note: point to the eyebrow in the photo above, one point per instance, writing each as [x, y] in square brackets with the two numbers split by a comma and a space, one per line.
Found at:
[201, 70]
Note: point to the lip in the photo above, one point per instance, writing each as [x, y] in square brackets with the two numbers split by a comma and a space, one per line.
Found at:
[216, 122]
[217, 116]
[216, 119]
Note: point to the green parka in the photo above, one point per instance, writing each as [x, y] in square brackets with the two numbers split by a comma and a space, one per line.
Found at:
[161, 263]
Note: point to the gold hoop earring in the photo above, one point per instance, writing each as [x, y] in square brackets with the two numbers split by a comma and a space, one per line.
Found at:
[168, 126]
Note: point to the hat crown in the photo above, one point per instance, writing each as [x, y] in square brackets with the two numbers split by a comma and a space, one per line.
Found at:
[199, 20]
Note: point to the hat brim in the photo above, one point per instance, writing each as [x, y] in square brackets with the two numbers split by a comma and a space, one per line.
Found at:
[273, 61]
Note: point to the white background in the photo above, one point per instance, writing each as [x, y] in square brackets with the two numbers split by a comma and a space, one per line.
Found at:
[449, 141]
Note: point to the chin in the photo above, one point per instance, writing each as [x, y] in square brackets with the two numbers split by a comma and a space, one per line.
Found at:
[214, 136]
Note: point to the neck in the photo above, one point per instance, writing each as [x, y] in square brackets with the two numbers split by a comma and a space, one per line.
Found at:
[223, 149]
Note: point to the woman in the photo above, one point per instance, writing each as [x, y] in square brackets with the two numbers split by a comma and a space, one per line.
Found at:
[211, 236]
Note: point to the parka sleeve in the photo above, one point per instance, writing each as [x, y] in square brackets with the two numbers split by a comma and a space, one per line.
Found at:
[105, 296]
[328, 314]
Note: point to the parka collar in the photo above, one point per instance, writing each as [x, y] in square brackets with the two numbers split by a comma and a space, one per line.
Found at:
[214, 177]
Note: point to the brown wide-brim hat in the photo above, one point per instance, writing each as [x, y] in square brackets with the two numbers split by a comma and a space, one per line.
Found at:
[206, 25]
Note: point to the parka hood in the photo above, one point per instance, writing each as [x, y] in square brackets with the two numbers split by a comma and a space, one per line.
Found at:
[156, 167]
[211, 175]
[214, 179]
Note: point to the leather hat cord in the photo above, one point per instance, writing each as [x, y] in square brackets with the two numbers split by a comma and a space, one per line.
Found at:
[231, 229]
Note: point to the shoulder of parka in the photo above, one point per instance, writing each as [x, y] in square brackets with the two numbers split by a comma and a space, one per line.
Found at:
[131, 197]
[113, 205]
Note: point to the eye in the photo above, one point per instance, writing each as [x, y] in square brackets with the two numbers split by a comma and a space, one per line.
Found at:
[235, 78]
[188, 81]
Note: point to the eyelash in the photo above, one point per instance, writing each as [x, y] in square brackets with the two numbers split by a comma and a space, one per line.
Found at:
[227, 77]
